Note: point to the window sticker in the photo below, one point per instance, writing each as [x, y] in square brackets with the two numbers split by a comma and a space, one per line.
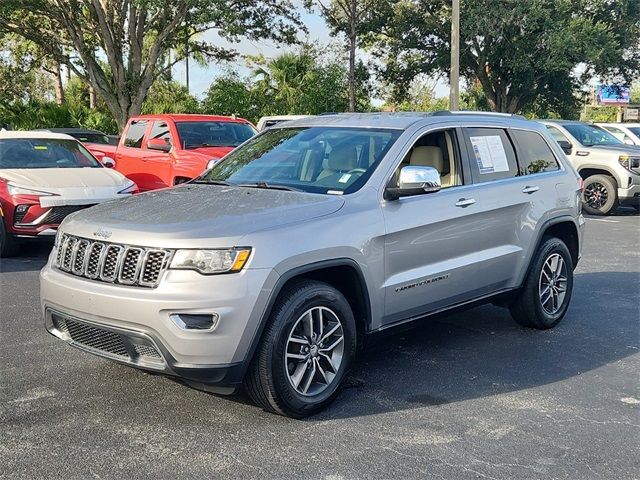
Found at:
[490, 154]
[345, 178]
[40, 147]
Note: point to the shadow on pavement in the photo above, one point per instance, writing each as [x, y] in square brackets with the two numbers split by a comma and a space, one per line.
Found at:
[32, 256]
[483, 352]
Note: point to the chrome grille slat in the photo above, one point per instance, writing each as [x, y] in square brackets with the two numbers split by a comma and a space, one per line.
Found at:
[111, 262]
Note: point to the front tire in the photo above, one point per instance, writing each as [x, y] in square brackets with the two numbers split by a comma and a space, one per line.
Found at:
[306, 350]
[546, 293]
[8, 245]
[600, 195]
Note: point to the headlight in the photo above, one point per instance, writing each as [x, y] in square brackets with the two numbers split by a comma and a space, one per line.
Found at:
[18, 190]
[209, 262]
[630, 163]
[130, 188]
[211, 163]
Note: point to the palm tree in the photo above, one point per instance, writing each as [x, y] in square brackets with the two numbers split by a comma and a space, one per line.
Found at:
[284, 78]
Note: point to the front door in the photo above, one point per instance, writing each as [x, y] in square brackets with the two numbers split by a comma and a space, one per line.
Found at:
[430, 243]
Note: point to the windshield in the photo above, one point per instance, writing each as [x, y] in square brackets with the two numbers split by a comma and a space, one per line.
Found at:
[316, 159]
[44, 153]
[589, 135]
[213, 134]
[92, 138]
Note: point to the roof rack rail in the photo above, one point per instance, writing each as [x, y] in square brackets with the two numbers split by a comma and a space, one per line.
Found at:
[443, 113]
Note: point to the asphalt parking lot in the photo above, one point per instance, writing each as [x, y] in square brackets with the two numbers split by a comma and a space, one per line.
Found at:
[468, 396]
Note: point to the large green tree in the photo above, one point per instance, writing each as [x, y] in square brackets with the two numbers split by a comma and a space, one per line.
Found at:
[355, 19]
[520, 52]
[134, 37]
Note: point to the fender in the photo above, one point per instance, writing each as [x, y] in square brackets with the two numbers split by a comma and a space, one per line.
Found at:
[294, 272]
[539, 234]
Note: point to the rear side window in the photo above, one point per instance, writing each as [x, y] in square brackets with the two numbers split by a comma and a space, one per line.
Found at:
[135, 133]
[161, 130]
[556, 134]
[491, 154]
[534, 155]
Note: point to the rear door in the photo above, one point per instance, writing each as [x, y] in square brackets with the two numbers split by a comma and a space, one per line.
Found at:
[157, 165]
[129, 156]
[516, 175]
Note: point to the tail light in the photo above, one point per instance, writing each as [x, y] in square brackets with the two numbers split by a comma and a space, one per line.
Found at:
[580, 185]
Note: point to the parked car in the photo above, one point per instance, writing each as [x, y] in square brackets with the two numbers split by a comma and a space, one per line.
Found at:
[158, 151]
[43, 178]
[628, 133]
[610, 169]
[270, 121]
[272, 267]
[97, 142]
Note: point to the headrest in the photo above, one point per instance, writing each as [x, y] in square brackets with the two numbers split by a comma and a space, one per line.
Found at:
[427, 157]
[342, 158]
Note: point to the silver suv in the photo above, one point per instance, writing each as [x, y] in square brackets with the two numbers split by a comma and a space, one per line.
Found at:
[270, 269]
[610, 168]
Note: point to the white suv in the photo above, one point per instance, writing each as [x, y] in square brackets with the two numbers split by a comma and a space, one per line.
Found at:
[610, 169]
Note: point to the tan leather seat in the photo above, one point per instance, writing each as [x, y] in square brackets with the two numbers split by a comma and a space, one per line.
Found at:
[341, 160]
[430, 157]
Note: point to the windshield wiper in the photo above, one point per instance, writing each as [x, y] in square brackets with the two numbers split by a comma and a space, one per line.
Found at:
[200, 145]
[213, 182]
[267, 186]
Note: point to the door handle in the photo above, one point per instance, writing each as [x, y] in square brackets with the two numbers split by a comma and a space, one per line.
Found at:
[465, 202]
[530, 189]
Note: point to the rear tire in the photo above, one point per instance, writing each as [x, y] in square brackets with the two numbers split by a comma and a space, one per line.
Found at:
[544, 298]
[9, 247]
[295, 372]
[600, 195]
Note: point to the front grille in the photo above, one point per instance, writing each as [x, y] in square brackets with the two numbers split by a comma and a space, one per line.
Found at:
[106, 341]
[57, 214]
[94, 337]
[110, 262]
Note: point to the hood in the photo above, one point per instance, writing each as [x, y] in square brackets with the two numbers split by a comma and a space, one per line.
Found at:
[210, 152]
[621, 149]
[53, 178]
[198, 215]
[70, 186]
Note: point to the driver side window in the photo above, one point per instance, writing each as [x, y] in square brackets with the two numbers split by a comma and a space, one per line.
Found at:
[438, 150]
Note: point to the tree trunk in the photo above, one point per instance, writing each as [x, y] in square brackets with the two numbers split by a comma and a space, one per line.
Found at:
[59, 89]
[92, 97]
[353, 40]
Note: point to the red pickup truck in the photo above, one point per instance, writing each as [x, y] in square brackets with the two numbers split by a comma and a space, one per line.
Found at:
[158, 151]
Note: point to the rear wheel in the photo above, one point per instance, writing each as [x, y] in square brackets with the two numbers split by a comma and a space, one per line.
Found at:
[306, 350]
[600, 195]
[8, 245]
[545, 295]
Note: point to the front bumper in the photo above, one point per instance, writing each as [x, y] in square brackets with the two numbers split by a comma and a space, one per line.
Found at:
[629, 195]
[139, 349]
[141, 316]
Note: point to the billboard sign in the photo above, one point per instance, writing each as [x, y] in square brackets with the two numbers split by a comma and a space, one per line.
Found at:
[612, 95]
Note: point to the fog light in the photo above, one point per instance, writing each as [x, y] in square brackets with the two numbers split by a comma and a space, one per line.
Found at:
[191, 321]
[21, 211]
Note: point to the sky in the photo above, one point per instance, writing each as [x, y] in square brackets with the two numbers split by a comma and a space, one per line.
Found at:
[201, 77]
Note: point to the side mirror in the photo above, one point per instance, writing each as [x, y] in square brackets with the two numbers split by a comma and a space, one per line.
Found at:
[159, 144]
[565, 146]
[415, 180]
[628, 141]
[108, 162]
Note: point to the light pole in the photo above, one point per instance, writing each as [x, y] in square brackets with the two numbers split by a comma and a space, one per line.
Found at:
[454, 89]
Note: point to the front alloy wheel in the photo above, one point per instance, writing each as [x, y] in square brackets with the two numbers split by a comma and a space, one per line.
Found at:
[600, 196]
[305, 352]
[314, 351]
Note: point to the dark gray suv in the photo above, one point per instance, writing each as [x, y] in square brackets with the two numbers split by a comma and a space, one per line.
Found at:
[270, 269]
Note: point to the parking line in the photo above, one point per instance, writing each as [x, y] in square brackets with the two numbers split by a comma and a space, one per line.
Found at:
[603, 220]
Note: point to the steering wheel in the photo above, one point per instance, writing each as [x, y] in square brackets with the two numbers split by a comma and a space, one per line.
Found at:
[356, 170]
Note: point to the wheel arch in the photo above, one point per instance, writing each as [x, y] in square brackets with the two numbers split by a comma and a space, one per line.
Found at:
[587, 172]
[342, 273]
[565, 229]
